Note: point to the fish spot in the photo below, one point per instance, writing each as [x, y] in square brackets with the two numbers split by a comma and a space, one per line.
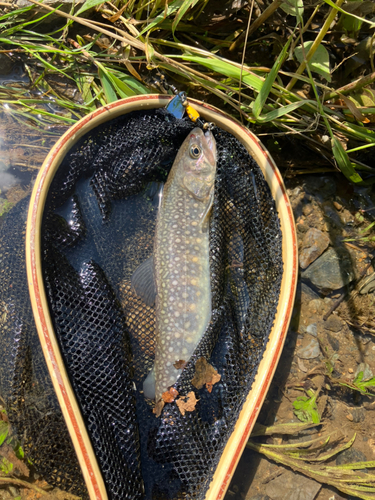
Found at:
[174, 282]
[166, 320]
[178, 240]
[177, 258]
[184, 295]
[194, 282]
[189, 340]
[198, 240]
[176, 314]
[187, 232]
[170, 349]
[194, 223]
[174, 226]
[196, 205]
[179, 192]
[177, 335]
[195, 259]
[184, 350]
[187, 325]
[192, 307]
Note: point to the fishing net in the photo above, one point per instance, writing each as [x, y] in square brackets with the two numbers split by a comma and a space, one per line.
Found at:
[98, 227]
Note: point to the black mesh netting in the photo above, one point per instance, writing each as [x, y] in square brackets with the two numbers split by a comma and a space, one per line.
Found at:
[98, 227]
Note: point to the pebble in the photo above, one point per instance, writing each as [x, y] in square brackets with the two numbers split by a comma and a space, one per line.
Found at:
[335, 344]
[313, 245]
[365, 368]
[350, 456]
[312, 329]
[330, 271]
[311, 351]
[290, 486]
[333, 324]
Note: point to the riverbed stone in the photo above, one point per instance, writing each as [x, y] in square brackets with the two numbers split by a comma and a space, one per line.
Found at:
[333, 324]
[331, 271]
[313, 245]
[310, 351]
[291, 486]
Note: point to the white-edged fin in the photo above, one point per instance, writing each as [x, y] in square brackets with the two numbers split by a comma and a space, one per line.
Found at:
[206, 214]
[149, 385]
[143, 282]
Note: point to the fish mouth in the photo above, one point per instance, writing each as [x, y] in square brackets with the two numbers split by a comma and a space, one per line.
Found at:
[211, 144]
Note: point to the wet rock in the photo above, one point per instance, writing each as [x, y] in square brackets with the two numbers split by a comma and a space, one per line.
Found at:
[307, 209]
[332, 217]
[5, 495]
[335, 344]
[333, 324]
[312, 329]
[291, 486]
[350, 456]
[319, 306]
[365, 368]
[310, 351]
[313, 245]
[308, 293]
[260, 497]
[330, 271]
[369, 285]
[358, 414]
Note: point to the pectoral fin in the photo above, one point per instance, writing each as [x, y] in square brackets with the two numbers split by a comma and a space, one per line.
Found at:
[143, 282]
[206, 214]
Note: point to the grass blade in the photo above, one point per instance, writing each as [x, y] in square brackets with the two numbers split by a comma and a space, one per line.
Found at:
[371, 23]
[228, 69]
[344, 162]
[267, 85]
[109, 91]
[181, 12]
[173, 7]
[277, 113]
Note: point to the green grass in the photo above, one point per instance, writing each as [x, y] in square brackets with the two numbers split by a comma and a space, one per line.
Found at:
[121, 44]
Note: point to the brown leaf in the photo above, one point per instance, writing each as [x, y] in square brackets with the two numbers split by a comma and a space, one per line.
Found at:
[180, 364]
[158, 408]
[170, 395]
[205, 374]
[187, 403]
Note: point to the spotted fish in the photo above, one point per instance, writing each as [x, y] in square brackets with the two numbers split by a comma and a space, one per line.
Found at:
[178, 274]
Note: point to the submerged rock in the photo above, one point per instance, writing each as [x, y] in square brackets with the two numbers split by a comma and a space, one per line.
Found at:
[331, 271]
[290, 486]
[310, 351]
[313, 245]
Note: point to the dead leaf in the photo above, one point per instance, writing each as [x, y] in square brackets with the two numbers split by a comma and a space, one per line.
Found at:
[180, 364]
[158, 408]
[205, 374]
[170, 395]
[187, 403]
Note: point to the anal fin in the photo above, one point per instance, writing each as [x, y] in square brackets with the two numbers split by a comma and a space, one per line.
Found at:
[143, 281]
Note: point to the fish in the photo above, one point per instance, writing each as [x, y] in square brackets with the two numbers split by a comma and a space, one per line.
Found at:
[177, 277]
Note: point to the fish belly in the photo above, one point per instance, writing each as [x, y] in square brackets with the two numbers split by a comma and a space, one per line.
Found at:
[182, 274]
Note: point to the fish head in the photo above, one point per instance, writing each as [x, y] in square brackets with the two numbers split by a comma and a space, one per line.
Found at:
[199, 164]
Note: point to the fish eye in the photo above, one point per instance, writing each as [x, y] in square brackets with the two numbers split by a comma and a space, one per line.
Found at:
[195, 151]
